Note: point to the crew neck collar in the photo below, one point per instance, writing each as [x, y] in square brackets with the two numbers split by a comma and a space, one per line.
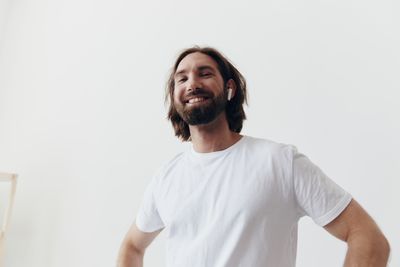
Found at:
[207, 155]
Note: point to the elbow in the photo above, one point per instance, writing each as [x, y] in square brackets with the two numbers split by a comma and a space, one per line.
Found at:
[380, 250]
[381, 245]
[372, 248]
[129, 255]
[385, 247]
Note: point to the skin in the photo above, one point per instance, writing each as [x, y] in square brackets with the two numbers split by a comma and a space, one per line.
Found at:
[367, 246]
[197, 70]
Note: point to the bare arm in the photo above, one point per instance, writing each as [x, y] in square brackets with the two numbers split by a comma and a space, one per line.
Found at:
[133, 247]
[367, 246]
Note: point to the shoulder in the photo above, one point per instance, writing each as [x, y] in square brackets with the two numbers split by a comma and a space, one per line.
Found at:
[169, 166]
[270, 147]
[171, 163]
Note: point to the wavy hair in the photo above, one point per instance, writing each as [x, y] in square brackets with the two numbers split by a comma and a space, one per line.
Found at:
[234, 108]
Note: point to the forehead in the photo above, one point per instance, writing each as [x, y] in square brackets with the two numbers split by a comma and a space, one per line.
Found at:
[196, 60]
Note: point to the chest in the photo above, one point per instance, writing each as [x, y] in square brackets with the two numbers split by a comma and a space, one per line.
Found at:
[196, 197]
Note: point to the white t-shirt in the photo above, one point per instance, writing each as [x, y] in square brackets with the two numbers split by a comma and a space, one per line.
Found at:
[239, 206]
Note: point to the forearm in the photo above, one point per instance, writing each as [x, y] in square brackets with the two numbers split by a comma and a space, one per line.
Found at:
[367, 251]
[130, 257]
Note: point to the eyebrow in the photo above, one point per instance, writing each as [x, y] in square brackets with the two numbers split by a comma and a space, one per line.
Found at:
[200, 68]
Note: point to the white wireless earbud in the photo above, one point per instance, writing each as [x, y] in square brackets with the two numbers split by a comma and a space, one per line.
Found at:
[229, 94]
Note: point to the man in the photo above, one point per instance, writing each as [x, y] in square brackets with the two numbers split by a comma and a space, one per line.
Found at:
[235, 200]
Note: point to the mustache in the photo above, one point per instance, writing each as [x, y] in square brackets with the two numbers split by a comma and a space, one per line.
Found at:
[198, 92]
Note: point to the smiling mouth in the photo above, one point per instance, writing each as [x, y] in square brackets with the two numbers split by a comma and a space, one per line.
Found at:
[196, 100]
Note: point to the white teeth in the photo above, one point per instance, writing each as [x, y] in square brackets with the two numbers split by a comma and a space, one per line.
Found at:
[195, 100]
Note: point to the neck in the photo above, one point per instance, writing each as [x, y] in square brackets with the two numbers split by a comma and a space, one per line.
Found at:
[214, 136]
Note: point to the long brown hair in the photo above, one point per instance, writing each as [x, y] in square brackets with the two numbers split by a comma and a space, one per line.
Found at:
[234, 109]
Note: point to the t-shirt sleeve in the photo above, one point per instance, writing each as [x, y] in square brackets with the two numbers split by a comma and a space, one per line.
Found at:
[148, 218]
[317, 195]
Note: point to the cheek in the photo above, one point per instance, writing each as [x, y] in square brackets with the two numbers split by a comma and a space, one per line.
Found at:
[177, 95]
[176, 99]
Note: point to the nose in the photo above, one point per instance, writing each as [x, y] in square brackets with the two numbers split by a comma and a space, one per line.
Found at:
[193, 83]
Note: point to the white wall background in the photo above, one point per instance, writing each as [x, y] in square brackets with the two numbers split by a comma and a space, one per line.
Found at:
[82, 119]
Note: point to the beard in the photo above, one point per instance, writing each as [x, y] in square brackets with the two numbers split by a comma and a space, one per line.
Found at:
[202, 113]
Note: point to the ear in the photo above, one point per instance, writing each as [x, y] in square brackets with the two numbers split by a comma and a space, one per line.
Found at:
[231, 84]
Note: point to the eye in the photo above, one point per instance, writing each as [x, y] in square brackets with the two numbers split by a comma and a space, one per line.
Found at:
[181, 79]
[206, 74]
